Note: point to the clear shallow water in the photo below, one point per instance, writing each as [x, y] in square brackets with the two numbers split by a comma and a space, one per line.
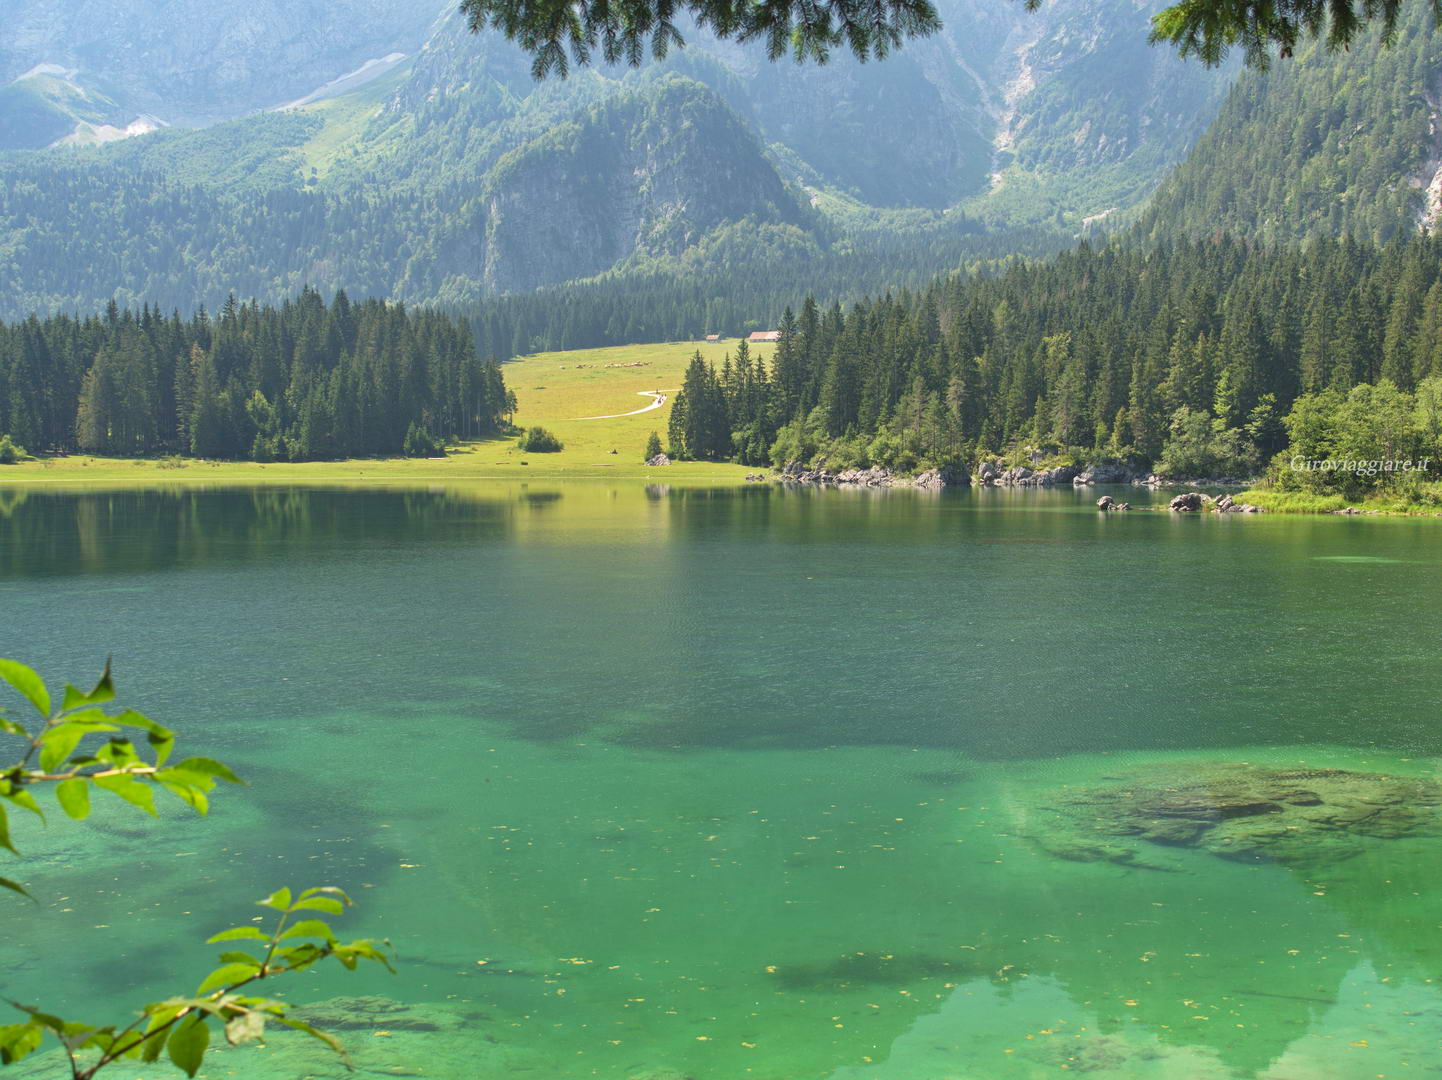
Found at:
[748, 782]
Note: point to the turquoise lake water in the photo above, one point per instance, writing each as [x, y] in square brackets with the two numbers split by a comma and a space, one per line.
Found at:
[725, 783]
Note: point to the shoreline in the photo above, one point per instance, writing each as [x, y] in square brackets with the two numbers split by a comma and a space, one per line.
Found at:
[477, 463]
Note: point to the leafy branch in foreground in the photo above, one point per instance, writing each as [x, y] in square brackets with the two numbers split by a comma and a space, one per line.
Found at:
[181, 1025]
[628, 29]
[1210, 28]
[51, 753]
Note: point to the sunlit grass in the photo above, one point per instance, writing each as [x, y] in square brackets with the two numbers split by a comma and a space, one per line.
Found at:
[552, 389]
[1303, 502]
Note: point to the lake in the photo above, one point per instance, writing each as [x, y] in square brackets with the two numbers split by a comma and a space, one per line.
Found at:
[650, 782]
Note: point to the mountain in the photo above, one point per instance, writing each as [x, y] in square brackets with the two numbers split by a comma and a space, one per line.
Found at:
[46, 108]
[444, 173]
[1325, 144]
[191, 63]
[649, 172]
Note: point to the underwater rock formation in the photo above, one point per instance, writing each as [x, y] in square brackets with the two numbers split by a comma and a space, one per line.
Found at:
[1241, 811]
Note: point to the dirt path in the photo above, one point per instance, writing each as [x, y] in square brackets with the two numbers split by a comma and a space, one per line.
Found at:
[658, 399]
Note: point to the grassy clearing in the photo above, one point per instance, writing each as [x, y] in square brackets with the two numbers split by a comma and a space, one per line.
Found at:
[346, 117]
[552, 390]
[1300, 502]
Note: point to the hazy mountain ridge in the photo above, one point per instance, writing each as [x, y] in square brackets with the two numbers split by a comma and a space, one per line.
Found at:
[193, 63]
[1326, 144]
[455, 176]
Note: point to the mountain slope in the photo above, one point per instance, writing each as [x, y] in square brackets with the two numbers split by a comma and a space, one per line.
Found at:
[1095, 117]
[1321, 145]
[453, 176]
[189, 62]
[46, 107]
[648, 173]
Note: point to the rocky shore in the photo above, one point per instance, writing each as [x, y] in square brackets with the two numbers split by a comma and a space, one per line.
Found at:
[997, 474]
[874, 477]
[1194, 502]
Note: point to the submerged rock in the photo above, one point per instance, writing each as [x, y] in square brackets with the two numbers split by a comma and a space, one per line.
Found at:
[370, 1013]
[1240, 811]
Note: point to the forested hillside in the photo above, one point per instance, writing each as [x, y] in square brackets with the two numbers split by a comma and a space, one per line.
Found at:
[610, 183]
[298, 382]
[454, 177]
[1326, 143]
[1189, 355]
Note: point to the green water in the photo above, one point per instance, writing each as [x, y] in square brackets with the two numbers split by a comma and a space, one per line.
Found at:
[744, 782]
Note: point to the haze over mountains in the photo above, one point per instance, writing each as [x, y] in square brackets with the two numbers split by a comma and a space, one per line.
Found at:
[190, 63]
[424, 163]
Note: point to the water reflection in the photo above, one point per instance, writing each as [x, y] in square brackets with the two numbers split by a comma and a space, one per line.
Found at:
[805, 773]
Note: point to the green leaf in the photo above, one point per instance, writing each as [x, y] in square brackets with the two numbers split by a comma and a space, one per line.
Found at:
[237, 957]
[308, 928]
[301, 1025]
[240, 933]
[5, 832]
[58, 743]
[187, 1044]
[77, 1035]
[329, 889]
[119, 753]
[12, 727]
[13, 886]
[299, 956]
[94, 719]
[127, 1045]
[244, 1028]
[155, 1041]
[319, 903]
[28, 683]
[22, 798]
[210, 767]
[205, 1004]
[227, 974]
[74, 797]
[104, 691]
[366, 948]
[193, 797]
[129, 789]
[19, 1040]
[280, 900]
[162, 739]
[185, 776]
[45, 1020]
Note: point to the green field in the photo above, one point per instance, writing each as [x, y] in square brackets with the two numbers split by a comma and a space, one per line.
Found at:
[552, 390]
[1423, 502]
